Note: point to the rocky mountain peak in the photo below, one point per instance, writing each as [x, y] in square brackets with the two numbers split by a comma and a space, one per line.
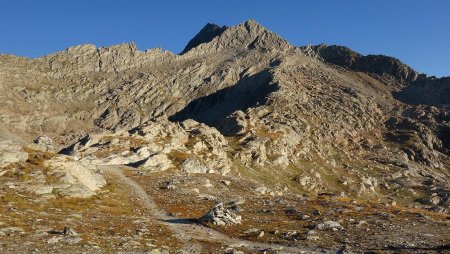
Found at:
[247, 35]
[251, 24]
[206, 34]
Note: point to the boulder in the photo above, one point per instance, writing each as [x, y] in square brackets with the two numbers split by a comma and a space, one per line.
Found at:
[75, 178]
[194, 166]
[157, 162]
[329, 225]
[221, 216]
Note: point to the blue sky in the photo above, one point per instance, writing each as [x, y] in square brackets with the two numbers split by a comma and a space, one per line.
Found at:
[416, 32]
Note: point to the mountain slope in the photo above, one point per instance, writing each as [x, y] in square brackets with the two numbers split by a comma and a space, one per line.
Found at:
[241, 100]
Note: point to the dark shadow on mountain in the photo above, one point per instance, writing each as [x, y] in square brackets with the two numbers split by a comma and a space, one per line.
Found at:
[426, 90]
[70, 150]
[207, 34]
[136, 164]
[250, 91]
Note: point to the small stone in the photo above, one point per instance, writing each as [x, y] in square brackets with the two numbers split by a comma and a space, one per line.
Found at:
[311, 232]
[226, 182]
[72, 240]
[362, 222]
[207, 197]
[252, 231]
[329, 225]
[312, 237]
[44, 190]
[262, 190]
[207, 184]
[69, 232]
[305, 217]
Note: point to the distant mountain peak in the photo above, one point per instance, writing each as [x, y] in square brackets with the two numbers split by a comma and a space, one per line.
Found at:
[247, 35]
[206, 34]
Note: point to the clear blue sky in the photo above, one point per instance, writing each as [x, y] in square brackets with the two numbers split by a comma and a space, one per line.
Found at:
[416, 32]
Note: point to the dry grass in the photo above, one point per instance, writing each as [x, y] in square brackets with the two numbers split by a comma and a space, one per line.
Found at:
[35, 164]
[262, 132]
[178, 156]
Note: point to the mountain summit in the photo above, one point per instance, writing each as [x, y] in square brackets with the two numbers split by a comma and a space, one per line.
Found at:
[303, 142]
[205, 35]
[247, 35]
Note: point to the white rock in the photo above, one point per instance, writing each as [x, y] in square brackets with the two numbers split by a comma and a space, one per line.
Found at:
[262, 190]
[329, 225]
[44, 190]
[76, 178]
[194, 166]
[219, 215]
[157, 162]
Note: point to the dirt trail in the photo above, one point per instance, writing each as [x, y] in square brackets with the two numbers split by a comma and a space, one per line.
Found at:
[186, 230]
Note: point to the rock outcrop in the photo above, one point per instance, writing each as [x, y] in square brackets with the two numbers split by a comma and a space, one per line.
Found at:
[158, 146]
[38, 171]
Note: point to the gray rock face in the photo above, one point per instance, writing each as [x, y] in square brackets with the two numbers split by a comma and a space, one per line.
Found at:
[11, 152]
[416, 88]
[377, 64]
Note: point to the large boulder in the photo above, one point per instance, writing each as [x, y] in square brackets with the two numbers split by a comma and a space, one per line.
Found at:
[75, 178]
[221, 216]
[193, 166]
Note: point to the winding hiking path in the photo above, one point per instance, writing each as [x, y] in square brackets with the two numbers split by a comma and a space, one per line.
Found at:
[186, 230]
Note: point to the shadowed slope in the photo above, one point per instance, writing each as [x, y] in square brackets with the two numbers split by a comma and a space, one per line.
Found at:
[249, 92]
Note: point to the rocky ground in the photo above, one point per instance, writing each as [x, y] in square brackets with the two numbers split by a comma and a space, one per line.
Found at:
[175, 210]
[241, 143]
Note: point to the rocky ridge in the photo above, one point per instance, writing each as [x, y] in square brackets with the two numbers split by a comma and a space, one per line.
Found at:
[238, 101]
